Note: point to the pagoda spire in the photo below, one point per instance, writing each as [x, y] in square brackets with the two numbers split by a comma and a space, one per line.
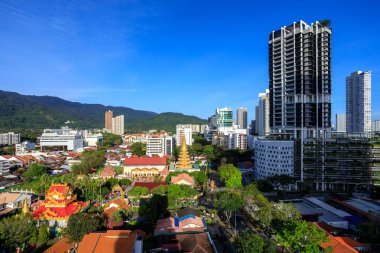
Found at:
[25, 208]
[184, 158]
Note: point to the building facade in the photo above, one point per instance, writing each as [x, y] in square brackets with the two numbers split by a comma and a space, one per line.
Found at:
[350, 162]
[118, 125]
[242, 117]
[300, 79]
[61, 139]
[358, 102]
[108, 120]
[181, 132]
[376, 126]
[159, 145]
[224, 117]
[10, 138]
[262, 114]
[273, 157]
[341, 122]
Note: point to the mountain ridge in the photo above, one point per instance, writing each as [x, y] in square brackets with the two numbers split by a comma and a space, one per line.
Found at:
[19, 111]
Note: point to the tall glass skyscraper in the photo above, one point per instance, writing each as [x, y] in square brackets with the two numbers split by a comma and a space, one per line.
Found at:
[300, 80]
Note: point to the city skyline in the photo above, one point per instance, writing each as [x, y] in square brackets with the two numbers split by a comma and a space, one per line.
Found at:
[132, 52]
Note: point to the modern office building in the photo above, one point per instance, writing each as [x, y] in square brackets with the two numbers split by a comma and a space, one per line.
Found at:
[262, 114]
[187, 132]
[108, 120]
[159, 145]
[242, 117]
[64, 139]
[376, 126]
[274, 157]
[300, 80]
[358, 102]
[118, 125]
[340, 122]
[10, 138]
[224, 117]
[349, 162]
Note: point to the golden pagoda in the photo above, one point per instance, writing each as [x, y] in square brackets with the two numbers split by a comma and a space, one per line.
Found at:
[25, 208]
[184, 158]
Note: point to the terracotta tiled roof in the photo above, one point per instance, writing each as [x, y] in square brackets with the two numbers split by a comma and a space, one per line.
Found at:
[113, 241]
[62, 246]
[108, 172]
[114, 206]
[145, 161]
[182, 176]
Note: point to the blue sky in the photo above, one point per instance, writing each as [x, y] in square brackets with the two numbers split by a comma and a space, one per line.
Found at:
[182, 56]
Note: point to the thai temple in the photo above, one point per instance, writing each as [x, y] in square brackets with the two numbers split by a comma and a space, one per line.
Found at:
[184, 158]
[59, 204]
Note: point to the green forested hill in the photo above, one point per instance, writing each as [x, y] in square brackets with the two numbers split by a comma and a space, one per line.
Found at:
[37, 112]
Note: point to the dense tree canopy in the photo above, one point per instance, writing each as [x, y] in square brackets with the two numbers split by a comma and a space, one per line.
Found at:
[17, 230]
[138, 191]
[35, 170]
[249, 243]
[299, 236]
[89, 159]
[228, 202]
[79, 225]
[110, 140]
[230, 175]
[138, 148]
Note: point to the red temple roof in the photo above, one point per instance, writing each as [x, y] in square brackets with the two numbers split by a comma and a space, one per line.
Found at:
[145, 161]
[149, 185]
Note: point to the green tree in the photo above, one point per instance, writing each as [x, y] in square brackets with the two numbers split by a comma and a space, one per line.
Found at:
[199, 177]
[299, 236]
[138, 191]
[35, 170]
[17, 230]
[228, 202]
[117, 216]
[93, 158]
[110, 140]
[80, 169]
[161, 190]
[249, 243]
[230, 175]
[118, 169]
[138, 148]
[43, 234]
[208, 150]
[80, 224]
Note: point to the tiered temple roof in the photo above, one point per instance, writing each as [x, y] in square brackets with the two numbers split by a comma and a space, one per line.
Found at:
[59, 204]
[184, 158]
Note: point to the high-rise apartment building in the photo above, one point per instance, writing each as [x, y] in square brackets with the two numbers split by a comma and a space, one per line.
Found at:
[300, 79]
[187, 132]
[340, 122]
[242, 117]
[224, 117]
[10, 138]
[262, 114]
[376, 126]
[118, 125]
[108, 120]
[358, 102]
[159, 145]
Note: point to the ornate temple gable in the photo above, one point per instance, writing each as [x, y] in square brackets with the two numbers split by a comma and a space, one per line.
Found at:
[60, 192]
